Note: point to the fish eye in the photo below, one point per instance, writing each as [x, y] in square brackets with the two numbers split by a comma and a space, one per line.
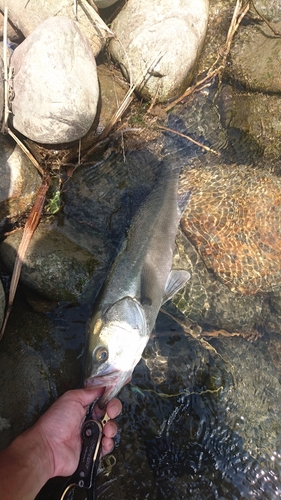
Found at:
[101, 354]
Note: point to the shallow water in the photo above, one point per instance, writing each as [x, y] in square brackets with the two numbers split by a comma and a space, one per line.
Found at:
[201, 416]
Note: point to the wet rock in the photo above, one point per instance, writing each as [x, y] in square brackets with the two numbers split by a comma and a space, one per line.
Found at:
[113, 91]
[255, 58]
[26, 390]
[205, 299]
[26, 16]
[1, 90]
[61, 83]
[20, 181]
[2, 303]
[271, 9]
[245, 112]
[161, 42]
[54, 266]
[103, 4]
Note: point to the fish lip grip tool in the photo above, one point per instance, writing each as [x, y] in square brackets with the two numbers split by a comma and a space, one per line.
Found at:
[84, 476]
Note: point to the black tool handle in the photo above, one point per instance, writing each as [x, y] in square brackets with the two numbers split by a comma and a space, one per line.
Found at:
[91, 434]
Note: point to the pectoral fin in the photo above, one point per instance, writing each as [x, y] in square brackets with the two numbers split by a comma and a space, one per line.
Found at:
[176, 280]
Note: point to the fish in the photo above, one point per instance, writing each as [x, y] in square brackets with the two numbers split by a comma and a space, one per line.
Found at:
[139, 282]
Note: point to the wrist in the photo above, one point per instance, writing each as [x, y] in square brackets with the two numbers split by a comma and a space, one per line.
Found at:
[25, 466]
[32, 450]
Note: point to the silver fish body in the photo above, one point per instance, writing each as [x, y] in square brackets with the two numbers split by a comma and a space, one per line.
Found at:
[139, 282]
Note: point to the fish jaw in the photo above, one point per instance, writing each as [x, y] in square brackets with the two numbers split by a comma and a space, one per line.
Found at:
[113, 384]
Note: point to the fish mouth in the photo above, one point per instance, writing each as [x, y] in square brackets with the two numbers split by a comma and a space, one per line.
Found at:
[112, 382]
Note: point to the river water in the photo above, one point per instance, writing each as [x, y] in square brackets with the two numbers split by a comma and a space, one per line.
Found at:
[201, 416]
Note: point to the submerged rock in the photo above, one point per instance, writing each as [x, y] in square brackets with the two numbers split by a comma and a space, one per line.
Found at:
[61, 83]
[234, 220]
[54, 266]
[2, 303]
[26, 390]
[103, 4]
[161, 43]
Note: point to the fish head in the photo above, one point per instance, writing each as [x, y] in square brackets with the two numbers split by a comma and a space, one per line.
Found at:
[116, 340]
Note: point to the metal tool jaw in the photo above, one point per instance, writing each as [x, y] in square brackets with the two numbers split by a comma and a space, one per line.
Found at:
[91, 435]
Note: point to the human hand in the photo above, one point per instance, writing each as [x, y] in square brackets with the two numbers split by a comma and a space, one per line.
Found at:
[60, 428]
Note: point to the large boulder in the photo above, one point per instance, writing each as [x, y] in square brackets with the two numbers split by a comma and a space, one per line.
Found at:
[27, 15]
[55, 83]
[161, 41]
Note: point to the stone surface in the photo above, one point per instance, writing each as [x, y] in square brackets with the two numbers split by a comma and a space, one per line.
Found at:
[103, 4]
[233, 219]
[20, 181]
[255, 58]
[23, 372]
[14, 35]
[61, 83]
[54, 266]
[27, 15]
[161, 41]
[2, 303]
[1, 89]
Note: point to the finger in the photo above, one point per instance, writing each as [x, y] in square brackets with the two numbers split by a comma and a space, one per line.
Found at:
[114, 408]
[107, 445]
[110, 429]
[85, 396]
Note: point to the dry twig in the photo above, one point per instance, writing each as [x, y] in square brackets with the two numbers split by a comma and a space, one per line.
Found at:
[190, 139]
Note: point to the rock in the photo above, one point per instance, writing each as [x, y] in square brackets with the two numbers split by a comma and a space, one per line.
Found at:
[61, 83]
[255, 57]
[54, 266]
[20, 181]
[160, 41]
[271, 9]
[2, 303]
[245, 109]
[1, 90]
[103, 4]
[13, 34]
[112, 94]
[24, 373]
[27, 15]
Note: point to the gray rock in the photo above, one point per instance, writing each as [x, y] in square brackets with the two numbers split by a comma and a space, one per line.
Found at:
[23, 373]
[19, 181]
[1, 90]
[103, 4]
[271, 9]
[161, 41]
[61, 83]
[27, 15]
[54, 266]
[2, 303]
[255, 58]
